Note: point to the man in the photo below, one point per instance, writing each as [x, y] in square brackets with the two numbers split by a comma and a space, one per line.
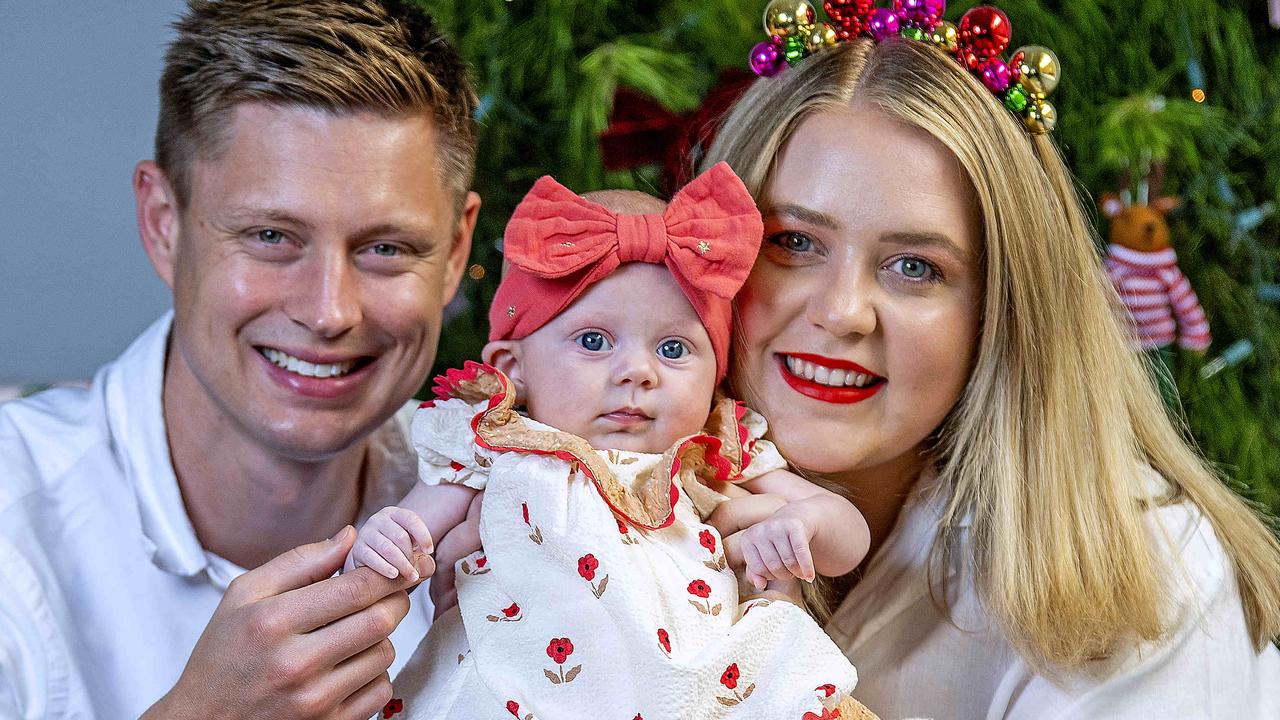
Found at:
[309, 208]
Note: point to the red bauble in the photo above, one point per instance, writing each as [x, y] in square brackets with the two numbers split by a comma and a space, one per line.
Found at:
[849, 16]
[985, 31]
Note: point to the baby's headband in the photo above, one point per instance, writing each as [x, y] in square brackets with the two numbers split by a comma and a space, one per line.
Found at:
[1023, 83]
[558, 244]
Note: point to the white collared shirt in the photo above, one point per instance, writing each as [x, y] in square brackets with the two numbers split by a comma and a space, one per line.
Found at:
[914, 663]
[104, 587]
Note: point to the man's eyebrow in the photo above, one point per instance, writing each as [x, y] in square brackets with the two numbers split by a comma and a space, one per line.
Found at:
[251, 212]
[926, 239]
[802, 214]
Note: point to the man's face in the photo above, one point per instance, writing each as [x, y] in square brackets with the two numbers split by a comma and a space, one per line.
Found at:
[309, 271]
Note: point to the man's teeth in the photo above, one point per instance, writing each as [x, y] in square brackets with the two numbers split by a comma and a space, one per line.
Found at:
[302, 367]
[827, 376]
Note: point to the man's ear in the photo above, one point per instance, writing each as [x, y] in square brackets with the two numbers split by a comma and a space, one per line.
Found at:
[460, 250]
[505, 356]
[159, 224]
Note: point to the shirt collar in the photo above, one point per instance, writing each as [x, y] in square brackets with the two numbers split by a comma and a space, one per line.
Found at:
[134, 384]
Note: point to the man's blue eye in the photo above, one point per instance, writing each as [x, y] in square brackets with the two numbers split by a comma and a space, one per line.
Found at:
[673, 350]
[271, 237]
[592, 341]
[386, 250]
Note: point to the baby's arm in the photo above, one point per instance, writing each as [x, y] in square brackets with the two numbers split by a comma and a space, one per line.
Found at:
[789, 527]
[386, 540]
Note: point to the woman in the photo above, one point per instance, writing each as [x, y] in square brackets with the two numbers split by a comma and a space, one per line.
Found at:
[1045, 542]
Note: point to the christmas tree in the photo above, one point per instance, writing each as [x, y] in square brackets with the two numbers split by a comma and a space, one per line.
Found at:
[1193, 83]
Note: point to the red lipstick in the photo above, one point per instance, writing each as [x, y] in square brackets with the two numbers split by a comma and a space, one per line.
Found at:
[827, 393]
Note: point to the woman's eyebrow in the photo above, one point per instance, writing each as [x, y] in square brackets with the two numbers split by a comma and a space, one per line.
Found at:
[926, 239]
[802, 214]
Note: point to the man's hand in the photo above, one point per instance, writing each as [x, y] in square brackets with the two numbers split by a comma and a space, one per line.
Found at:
[290, 640]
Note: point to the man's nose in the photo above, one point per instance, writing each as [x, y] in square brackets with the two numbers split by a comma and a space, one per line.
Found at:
[326, 298]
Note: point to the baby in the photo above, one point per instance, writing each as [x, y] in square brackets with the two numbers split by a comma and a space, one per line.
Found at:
[599, 584]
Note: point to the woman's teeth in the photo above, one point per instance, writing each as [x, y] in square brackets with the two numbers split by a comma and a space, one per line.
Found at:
[827, 376]
[302, 367]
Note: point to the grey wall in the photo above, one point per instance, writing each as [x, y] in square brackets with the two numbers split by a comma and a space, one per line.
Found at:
[77, 111]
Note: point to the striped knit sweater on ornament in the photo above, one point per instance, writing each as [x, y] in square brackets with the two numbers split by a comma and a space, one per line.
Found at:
[1156, 292]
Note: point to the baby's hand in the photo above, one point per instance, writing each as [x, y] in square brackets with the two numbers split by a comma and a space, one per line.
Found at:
[777, 548]
[386, 541]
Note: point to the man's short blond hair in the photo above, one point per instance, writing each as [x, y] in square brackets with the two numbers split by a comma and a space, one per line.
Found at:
[341, 56]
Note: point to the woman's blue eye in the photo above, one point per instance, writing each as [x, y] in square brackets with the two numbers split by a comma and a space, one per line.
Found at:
[593, 341]
[386, 250]
[795, 242]
[673, 349]
[271, 237]
[914, 268]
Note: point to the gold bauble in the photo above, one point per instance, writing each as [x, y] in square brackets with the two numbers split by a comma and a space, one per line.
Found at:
[945, 36]
[1038, 69]
[1041, 116]
[819, 37]
[789, 17]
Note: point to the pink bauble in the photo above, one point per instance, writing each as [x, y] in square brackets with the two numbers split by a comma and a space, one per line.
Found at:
[767, 59]
[883, 24]
[996, 75]
[923, 14]
[985, 30]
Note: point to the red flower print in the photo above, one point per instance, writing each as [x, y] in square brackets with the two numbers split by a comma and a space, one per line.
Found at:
[622, 527]
[664, 640]
[559, 649]
[456, 465]
[393, 707]
[700, 588]
[637, 717]
[480, 561]
[587, 565]
[524, 510]
[729, 678]
[513, 707]
[708, 541]
[512, 611]
[826, 715]
[827, 690]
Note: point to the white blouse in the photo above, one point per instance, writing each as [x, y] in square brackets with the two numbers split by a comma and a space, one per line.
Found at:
[914, 662]
[104, 587]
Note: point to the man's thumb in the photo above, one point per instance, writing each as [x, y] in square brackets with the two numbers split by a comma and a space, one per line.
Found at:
[301, 566]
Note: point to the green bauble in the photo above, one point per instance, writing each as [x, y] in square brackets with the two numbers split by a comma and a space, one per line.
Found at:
[793, 49]
[1015, 98]
[914, 33]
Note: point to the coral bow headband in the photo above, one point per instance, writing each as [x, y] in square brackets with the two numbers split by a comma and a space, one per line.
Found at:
[558, 244]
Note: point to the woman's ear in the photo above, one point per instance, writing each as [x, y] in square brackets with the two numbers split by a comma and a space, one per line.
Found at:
[505, 356]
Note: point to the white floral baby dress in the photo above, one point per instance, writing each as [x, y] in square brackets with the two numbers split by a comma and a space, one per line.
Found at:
[600, 593]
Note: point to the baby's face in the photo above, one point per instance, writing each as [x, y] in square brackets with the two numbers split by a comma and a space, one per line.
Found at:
[628, 366]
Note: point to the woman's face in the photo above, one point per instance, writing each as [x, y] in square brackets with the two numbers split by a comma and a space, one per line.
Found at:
[860, 319]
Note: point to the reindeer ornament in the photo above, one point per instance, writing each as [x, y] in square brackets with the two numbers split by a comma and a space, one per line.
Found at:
[1144, 269]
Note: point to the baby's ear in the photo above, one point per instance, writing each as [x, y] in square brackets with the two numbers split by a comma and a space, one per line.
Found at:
[505, 356]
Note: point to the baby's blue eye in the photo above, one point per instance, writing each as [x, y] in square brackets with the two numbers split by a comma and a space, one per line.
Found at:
[593, 341]
[270, 236]
[795, 242]
[673, 349]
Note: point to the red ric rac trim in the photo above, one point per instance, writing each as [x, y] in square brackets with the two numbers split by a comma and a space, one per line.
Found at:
[448, 386]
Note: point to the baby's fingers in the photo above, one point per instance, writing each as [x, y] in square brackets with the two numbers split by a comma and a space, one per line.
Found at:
[795, 555]
[363, 554]
[756, 572]
[413, 524]
[394, 552]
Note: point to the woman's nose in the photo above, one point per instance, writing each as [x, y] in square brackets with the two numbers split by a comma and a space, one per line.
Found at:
[842, 303]
[326, 296]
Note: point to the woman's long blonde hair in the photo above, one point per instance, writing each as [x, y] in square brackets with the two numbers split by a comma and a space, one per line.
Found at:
[1047, 446]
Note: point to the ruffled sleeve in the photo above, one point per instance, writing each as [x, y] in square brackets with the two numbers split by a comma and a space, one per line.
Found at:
[445, 444]
[762, 455]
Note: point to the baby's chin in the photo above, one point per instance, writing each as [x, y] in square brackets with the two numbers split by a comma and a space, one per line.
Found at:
[647, 442]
